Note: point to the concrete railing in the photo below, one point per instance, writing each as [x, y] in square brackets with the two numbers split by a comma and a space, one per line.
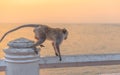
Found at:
[20, 59]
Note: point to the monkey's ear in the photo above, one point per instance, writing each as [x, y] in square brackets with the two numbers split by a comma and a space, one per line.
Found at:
[64, 30]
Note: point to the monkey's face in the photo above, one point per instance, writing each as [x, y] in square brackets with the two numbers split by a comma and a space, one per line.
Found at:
[65, 34]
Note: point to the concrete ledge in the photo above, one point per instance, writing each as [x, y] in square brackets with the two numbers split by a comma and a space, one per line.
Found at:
[80, 60]
[75, 61]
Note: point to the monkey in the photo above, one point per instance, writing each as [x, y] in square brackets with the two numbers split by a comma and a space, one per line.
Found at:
[44, 32]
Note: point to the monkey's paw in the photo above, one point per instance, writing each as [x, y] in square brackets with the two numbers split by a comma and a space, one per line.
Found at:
[60, 59]
[56, 54]
[42, 46]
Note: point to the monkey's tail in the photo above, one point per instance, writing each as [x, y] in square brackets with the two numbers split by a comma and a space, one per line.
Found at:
[27, 25]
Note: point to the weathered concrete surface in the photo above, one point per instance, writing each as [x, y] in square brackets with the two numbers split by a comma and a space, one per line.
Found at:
[2, 65]
[76, 61]
[80, 60]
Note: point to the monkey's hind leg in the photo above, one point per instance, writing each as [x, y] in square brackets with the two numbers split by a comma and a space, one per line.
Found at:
[35, 49]
[39, 42]
[53, 44]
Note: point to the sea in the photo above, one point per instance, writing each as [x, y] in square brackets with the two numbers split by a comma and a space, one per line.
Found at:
[101, 38]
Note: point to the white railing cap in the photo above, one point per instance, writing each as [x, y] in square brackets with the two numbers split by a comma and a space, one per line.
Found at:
[21, 43]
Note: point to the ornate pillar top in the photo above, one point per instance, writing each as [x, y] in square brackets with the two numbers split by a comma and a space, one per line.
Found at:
[20, 43]
[20, 51]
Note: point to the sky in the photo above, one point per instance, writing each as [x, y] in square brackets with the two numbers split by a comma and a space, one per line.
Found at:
[59, 11]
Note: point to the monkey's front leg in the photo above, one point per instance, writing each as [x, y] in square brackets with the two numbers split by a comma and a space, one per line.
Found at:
[58, 51]
[53, 44]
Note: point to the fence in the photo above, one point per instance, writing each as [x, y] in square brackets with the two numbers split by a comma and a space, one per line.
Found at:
[20, 59]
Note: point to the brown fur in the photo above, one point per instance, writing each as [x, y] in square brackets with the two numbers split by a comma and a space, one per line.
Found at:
[56, 35]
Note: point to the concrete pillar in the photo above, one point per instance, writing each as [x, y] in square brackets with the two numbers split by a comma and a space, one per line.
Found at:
[21, 58]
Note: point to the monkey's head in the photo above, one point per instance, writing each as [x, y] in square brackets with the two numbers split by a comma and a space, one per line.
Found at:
[65, 33]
